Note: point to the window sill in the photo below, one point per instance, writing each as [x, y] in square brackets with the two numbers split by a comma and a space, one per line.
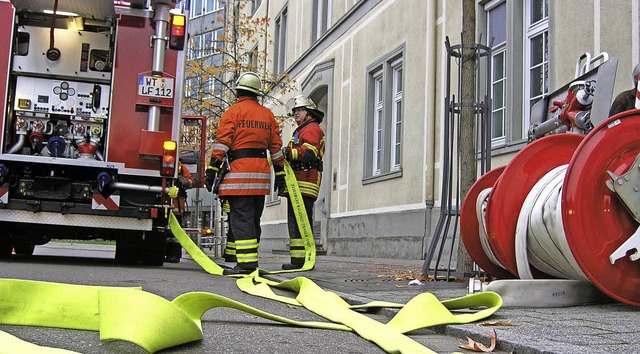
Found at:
[382, 177]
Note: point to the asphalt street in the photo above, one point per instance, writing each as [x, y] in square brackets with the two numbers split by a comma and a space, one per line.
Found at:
[225, 330]
[604, 327]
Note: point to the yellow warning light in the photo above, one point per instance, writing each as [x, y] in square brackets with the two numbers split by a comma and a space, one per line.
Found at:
[178, 20]
[169, 145]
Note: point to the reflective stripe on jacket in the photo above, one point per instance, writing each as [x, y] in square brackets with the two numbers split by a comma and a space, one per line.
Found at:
[248, 125]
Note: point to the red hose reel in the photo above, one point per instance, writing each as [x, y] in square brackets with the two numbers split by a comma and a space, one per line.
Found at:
[595, 221]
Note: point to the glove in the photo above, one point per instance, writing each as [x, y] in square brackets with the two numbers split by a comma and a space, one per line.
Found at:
[280, 184]
[172, 192]
[286, 151]
[210, 176]
[212, 172]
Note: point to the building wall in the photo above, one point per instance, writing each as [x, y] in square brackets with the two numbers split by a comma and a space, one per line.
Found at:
[397, 205]
[396, 217]
[611, 26]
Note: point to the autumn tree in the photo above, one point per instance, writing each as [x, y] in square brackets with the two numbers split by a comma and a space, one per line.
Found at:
[238, 43]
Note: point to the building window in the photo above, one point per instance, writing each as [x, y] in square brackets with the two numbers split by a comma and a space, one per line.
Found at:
[252, 60]
[519, 64]
[195, 47]
[203, 7]
[188, 88]
[396, 115]
[321, 18]
[280, 44]
[377, 123]
[385, 111]
[212, 5]
[255, 4]
[537, 52]
[497, 32]
[218, 39]
[210, 88]
[196, 8]
[207, 44]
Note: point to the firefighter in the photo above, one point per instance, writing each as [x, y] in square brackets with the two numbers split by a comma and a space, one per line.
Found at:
[304, 153]
[185, 181]
[626, 100]
[245, 132]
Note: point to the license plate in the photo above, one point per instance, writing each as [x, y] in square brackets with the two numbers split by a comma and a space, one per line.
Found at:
[155, 86]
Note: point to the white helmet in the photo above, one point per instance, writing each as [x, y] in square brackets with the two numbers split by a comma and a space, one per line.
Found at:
[301, 101]
[249, 81]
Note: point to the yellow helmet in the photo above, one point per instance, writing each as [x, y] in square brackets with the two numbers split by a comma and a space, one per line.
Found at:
[249, 81]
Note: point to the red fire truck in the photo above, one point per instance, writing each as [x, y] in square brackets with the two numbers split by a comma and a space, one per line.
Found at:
[90, 107]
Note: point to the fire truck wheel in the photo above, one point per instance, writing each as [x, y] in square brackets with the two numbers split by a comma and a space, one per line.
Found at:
[24, 248]
[153, 252]
[153, 258]
[6, 246]
[127, 255]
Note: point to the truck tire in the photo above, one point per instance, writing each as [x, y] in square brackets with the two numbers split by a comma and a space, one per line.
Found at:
[6, 247]
[24, 248]
[127, 255]
[153, 253]
[153, 257]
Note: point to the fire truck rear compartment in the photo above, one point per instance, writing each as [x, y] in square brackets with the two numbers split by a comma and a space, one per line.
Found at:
[59, 202]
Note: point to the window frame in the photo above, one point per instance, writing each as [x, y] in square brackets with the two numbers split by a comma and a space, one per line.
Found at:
[499, 49]
[531, 31]
[321, 19]
[252, 59]
[383, 142]
[397, 98]
[255, 5]
[205, 7]
[280, 42]
[517, 111]
[378, 124]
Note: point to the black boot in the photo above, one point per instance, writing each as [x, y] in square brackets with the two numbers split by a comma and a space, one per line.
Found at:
[292, 266]
[238, 269]
[173, 252]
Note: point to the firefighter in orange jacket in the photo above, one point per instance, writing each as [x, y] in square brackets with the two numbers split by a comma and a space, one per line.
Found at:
[304, 153]
[185, 181]
[245, 132]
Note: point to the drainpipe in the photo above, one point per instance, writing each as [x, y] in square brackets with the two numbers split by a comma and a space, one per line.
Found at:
[430, 118]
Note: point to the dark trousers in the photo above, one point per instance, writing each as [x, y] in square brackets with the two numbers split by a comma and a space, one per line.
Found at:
[230, 245]
[296, 246]
[245, 215]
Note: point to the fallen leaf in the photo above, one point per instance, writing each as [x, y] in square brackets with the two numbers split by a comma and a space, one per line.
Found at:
[498, 323]
[479, 347]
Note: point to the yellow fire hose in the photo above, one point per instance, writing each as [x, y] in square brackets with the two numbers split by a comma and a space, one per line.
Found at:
[155, 323]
